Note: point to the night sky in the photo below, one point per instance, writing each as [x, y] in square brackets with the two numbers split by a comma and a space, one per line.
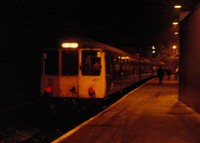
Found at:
[28, 26]
[136, 23]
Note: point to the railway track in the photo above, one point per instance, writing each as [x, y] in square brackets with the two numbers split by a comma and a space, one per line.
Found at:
[42, 122]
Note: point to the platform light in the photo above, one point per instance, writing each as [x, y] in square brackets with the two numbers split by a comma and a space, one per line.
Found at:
[175, 23]
[175, 33]
[69, 45]
[177, 6]
[153, 49]
[174, 47]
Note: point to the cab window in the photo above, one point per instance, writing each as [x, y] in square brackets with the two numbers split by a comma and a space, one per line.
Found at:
[69, 62]
[51, 62]
[91, 62]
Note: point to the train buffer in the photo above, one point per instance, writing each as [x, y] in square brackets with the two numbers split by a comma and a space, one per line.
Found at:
[151, 113]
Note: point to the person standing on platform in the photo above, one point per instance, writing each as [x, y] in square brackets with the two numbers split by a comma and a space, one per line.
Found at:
[176, 73]
[160, 73]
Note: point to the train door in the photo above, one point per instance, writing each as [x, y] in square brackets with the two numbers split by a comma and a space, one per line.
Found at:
[60, 73]
[92, 75]
[50, 73]
[69, 73]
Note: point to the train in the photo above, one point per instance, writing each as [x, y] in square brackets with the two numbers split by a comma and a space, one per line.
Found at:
[81, 68]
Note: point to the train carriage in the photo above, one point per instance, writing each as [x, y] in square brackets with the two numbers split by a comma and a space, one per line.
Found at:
[82, 68]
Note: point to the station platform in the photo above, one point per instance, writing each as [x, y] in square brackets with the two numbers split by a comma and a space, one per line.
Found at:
[151, 113]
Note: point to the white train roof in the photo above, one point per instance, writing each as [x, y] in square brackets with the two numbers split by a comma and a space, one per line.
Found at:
[88, 43]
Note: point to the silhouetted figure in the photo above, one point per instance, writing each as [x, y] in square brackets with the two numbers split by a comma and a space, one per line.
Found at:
[176, 73]
[97, 67]
[160, 73]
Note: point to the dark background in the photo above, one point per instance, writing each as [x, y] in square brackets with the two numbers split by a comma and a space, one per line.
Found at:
[28, 26]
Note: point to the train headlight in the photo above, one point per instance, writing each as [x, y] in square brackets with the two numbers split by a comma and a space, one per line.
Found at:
[91, 92]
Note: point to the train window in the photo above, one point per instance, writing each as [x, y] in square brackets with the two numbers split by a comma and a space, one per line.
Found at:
[108, 66]
[69, 62]
[91, 62]
[51, 62]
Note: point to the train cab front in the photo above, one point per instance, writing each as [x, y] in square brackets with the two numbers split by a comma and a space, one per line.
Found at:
[59, 76]
[73, 71]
